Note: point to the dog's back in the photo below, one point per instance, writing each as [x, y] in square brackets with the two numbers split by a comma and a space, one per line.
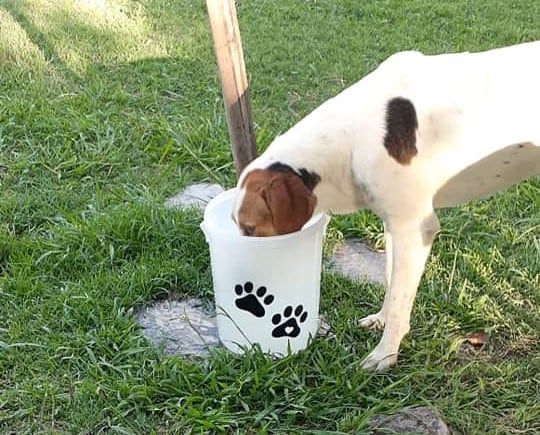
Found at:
[483, 129]
[478, 122]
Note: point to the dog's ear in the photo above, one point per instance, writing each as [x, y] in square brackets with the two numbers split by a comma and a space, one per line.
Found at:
[290, 202]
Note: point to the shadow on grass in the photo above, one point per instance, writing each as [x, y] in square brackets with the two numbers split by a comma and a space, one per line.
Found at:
[150, 104]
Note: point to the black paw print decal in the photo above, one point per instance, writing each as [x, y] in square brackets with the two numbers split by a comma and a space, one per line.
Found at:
[289, 327]
[252, 302]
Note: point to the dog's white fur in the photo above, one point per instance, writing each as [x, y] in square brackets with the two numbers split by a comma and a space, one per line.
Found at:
[478, 132]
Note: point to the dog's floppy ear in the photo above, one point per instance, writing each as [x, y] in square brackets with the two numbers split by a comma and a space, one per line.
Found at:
[290, 202]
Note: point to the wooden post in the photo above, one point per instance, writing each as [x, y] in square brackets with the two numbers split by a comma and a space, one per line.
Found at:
[234, 83]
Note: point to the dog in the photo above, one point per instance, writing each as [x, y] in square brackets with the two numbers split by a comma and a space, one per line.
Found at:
[419, 133]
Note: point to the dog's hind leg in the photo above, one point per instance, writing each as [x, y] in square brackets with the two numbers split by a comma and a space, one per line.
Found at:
[377, 320]
[411, 241]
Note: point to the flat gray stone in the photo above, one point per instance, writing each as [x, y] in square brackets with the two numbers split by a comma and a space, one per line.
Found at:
[196, 195]
[357, 261]
[419, 421]
[324, 329]
[180, 327]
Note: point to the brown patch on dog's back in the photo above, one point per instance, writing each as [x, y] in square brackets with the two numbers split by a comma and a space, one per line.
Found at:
[401, 126]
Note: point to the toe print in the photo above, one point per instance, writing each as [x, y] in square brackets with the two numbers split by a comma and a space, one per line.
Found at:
[288, 324]
[253, 303]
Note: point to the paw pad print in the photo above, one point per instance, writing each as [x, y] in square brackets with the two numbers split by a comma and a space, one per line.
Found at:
[288, 324]
[252, 302]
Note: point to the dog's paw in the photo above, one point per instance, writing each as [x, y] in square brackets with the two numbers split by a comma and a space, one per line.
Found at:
[373, 321]
[379, 360]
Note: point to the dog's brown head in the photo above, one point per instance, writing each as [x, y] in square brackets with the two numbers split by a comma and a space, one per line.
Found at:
[276, 200]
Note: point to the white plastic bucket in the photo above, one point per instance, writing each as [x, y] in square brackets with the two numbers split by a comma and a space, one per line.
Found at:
[266, 288]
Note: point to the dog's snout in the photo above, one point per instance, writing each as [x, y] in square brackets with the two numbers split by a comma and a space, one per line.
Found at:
[248, 230]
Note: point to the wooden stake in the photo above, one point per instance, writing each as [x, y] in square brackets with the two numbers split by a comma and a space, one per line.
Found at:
[234, 83]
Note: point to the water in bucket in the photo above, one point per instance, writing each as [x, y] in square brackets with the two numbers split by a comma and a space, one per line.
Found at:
[266, 288]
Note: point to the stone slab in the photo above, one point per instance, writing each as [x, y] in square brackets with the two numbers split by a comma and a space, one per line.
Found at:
[421, 420]
[195, 195]
[357, 261]
[183, 328]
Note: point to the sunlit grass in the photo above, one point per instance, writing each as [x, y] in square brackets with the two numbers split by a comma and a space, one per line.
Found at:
[80, 33]
[17, 50]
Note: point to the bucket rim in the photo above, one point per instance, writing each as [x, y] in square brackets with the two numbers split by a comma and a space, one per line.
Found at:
[317, 222]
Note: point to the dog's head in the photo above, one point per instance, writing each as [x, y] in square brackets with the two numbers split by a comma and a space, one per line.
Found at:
[273, 201]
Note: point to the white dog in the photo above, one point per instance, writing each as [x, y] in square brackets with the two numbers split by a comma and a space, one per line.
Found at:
[418, 133]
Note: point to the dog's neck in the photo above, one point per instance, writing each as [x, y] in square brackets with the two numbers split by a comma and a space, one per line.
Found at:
[309, 178]
[327, 174]
[325, 143]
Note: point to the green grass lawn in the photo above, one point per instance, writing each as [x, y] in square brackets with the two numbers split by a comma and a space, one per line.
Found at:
[107, 107]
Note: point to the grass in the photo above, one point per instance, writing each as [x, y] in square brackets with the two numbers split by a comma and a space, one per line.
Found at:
[109, 107]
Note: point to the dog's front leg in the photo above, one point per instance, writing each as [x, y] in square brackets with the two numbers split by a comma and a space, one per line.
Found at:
[411, 242]
[377, 320]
